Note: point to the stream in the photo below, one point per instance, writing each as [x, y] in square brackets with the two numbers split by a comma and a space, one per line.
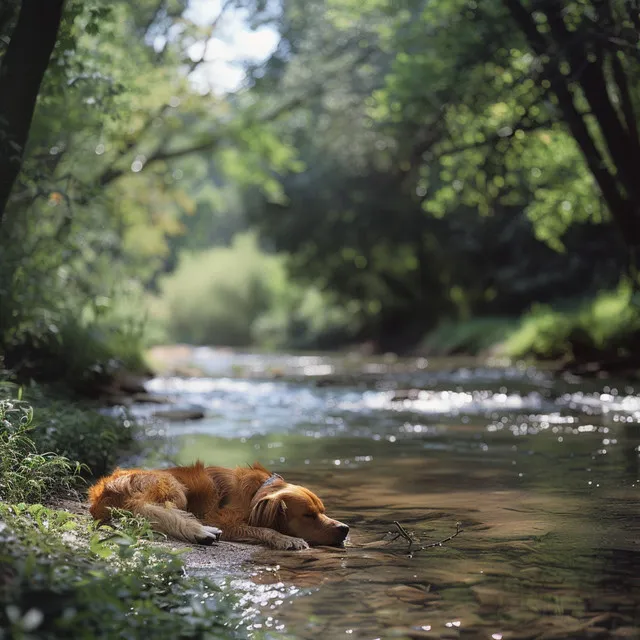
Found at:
[542, 473]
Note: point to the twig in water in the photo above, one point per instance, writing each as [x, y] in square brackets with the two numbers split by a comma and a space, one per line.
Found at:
[459, 530]
[410, 538]
[403, 533]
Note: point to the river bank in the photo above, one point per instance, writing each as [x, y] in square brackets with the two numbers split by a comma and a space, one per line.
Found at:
[541, 472]
[60, 575]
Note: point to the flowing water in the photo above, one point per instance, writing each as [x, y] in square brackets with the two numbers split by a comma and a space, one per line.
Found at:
[542, 474]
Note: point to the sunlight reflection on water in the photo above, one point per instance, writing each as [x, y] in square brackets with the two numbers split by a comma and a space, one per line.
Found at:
[544, 474]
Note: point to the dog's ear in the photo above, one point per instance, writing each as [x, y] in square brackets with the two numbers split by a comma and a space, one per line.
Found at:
[268, 512]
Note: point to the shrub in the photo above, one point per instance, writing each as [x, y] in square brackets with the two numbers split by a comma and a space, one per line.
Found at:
[608, 325]
[215, 296]
[470, 337]
[305, 319]
[65, 429]
[543, 333]
[25, 474]
[58, 579]
[241, 296]
[67, 313]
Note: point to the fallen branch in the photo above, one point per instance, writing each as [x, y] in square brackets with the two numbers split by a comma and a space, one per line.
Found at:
[401, 532]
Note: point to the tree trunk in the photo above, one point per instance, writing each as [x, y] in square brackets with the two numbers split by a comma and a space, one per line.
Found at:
[620, 190]
[21, 73]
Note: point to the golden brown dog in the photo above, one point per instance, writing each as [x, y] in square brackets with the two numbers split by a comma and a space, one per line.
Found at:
[201, 504]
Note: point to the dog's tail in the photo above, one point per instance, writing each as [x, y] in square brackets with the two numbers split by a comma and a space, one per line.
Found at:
[171, 521]
[158, 497]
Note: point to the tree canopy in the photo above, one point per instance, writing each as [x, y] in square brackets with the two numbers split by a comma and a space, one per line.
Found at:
[413, 161]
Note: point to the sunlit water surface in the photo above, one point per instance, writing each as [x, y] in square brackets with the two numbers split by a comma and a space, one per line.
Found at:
[542, 474]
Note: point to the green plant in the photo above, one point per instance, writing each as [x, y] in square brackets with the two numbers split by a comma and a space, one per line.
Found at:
[25, 474]
[133, 525]
[469, 337]
[607, 325]
[72, 582]
[304, 318]
[73, 431]
[83, 434]
[543, 333]
[215, 296]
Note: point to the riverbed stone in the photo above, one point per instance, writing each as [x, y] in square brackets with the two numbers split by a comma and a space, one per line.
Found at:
[179, 415]
[149, 398]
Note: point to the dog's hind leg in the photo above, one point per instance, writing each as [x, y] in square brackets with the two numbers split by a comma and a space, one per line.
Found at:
[174, 522]
[161, 499]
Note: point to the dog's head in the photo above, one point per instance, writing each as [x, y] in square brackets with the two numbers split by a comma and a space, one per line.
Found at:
[298, 512]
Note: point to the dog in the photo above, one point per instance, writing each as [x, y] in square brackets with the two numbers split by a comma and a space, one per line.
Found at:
[201, 505]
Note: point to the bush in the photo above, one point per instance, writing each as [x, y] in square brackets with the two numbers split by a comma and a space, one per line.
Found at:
[60, 579]
[25, 474]
[543, 333]
[215, 296]
[66, 429]
[608, 325]
[67, 312]
[305, 319]
[239, 296]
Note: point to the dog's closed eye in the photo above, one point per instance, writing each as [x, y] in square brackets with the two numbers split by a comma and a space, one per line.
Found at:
[310, 515]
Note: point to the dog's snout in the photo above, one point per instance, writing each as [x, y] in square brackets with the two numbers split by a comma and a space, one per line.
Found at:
[344, 530]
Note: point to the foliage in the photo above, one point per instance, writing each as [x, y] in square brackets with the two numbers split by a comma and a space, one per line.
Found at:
[215, 296]
[58, 579]
[70, 431]
[120, 150]
[450, 176]
[241, 295]
[133, 525]
[410, 163]
[608, 325]
[304, 318]
[25, 474]
[471, 337]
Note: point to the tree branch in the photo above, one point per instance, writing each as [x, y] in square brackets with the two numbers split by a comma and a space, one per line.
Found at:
[112, 172]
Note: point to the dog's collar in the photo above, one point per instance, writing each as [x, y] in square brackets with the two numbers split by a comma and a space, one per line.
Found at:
[270, 480]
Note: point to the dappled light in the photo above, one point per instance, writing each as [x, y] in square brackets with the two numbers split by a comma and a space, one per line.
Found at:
[388, 249]
[520, 491]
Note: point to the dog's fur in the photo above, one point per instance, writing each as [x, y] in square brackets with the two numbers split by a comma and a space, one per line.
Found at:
[199, 504]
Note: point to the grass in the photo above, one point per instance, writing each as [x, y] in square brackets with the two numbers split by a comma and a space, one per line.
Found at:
[60, 575]
[60, 578]
[606, 326]
[25, 474]
[64, 427]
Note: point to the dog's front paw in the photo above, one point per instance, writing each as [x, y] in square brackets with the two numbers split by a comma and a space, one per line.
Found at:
[209, 535]
[287, 543]
[297, 544]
